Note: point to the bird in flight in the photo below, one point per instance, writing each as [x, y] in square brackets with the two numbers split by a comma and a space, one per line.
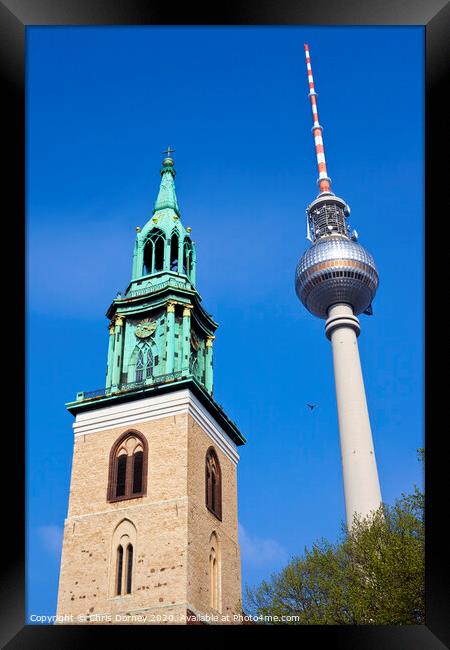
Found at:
[312, 406]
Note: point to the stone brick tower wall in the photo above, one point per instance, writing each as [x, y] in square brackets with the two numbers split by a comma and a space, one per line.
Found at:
[170, 528]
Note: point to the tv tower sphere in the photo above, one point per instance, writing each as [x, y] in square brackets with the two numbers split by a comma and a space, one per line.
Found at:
[335, 269]
[336, 279]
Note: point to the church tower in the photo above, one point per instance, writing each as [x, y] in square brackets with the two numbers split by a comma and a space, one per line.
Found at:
[151, 534]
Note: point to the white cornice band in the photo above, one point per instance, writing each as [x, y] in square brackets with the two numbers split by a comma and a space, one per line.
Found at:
[153, 408]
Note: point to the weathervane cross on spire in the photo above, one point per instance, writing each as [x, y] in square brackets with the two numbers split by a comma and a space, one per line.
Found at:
[168, 151]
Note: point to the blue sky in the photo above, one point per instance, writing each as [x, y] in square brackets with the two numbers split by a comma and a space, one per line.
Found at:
[102, 103]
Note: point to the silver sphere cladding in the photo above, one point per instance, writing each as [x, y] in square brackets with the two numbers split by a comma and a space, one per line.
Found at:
[333, 270]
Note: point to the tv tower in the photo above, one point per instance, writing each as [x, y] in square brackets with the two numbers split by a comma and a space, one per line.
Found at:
[336, 279]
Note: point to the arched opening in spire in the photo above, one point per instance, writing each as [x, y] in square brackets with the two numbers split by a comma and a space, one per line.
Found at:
[187, 257]
[174, 243]
[154, 252]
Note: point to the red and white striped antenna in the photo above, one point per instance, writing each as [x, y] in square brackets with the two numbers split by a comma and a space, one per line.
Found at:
[323, 181]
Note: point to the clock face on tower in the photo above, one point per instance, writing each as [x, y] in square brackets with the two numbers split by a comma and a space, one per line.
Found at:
[145, 329]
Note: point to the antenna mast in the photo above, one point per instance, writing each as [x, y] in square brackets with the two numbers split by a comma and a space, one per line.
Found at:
[323, 181]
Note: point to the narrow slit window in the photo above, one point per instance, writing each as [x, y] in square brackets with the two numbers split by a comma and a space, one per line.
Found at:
[208, 486]
[119, 570]
[174, 253]
[140, 367]
[213, 487]
[137, 471]
[121, 475]
[187, 257]
[129, 567]
[149, 365]
[213, 490]
[213, 579]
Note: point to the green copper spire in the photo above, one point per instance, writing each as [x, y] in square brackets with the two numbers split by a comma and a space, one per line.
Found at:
[166, 196]
[164, 245]
[160, 336]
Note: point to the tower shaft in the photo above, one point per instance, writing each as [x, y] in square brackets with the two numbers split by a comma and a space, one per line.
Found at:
[361, 484]
[336, 279]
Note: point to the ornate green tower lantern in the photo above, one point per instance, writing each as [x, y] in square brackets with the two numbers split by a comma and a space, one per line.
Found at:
[159, 332]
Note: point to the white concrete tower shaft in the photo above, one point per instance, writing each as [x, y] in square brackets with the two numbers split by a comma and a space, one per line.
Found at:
[361, 484]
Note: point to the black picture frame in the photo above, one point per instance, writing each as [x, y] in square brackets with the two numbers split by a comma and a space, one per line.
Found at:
[15, 16]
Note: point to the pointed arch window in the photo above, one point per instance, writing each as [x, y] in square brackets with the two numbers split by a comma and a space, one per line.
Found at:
[121, 475]
[123, 558]
[214, 573]
[174, 243]
[124, 571]
[187, 256]
[154, 252]
[140, 366]
[141, 363]
[213, 483]
[128, 467]
[213, 578]
[119, 570]
[149, 365]
[138, 461]
[129, 568]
